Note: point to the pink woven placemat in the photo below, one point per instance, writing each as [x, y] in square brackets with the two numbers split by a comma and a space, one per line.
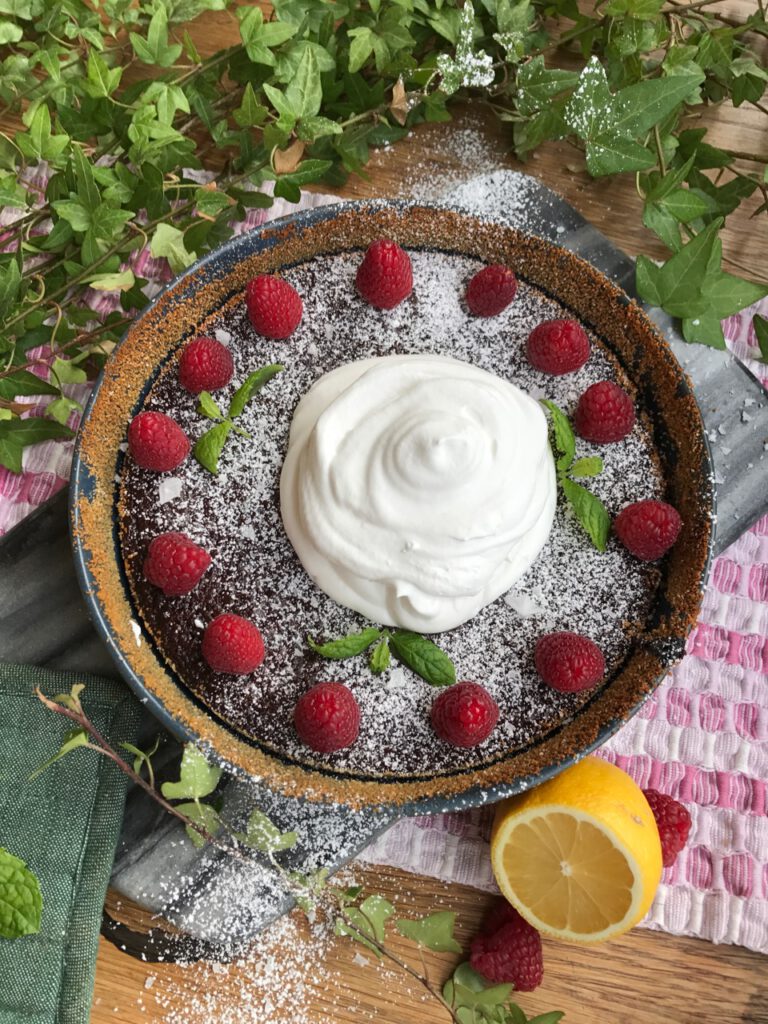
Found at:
[702, 737]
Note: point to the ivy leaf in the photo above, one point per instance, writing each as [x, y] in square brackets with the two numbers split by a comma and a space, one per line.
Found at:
[592, 465]
[537, 85]
[589, 511]
[377, 912]
[565, 439]
[253, 383]
[21, 433]
[614, 155]
[72, 740]
[424, 657]
[203, 815]
[155, 49]
[637, 108]
[379, 660]
[197, 778]
[168, 241]
[67, 372]
[10, 283]
[263, 835]
[304, 92]
[209, 446]
[60, 409]
[101, 79]
[648, 281]
[760, 327]
[727, 294]
[121, 281]
[435, 932]
[207, 407]
[346, 646]
[250, 112]
[704, 330]
[21, 902]
[311, 128]
[685, 205]
[659, 220]
[682, 277]
[358, 929]
[24, 383]
[547, 1018]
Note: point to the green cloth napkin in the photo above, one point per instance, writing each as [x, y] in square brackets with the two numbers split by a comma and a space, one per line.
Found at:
[65, 825]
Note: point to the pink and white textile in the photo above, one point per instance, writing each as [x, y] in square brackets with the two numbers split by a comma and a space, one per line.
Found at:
[702, 737]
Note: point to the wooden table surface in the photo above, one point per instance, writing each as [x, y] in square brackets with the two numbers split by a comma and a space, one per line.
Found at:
[643, 978]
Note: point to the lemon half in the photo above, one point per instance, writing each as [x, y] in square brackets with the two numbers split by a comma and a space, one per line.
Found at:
[580, 855]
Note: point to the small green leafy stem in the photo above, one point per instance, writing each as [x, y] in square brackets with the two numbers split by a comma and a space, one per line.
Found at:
[419, 653]
[466, 996]
[587, 507]
[304, 95]
[209, 446]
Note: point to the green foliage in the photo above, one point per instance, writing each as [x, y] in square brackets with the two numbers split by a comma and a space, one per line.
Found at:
[346, 646]
[21, 902]
[586, 507]
[435, 931]
[418, 652]
[197, 778]
[476, 1001]
[302, 98]
[261, 834]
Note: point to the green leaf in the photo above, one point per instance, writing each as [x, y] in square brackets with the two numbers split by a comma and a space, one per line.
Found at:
[682, 277]
[207, 407]
[311, 128]
[65, 371]
[360, 48]
[263, 835]
[659, 220]
[639, 107]
[21, 902]
[358, 929]
[73, 211]
[377, 911]
[565, 439]
[592, 465]
[304, 92]
[547, 1018]
[728, 294]
[704, 330]
[10, 32]
[250, 112]
[101, 79]
[168, 241]
[685, 205]
[379, 660]
[32, 430]
[210, 445]
[121, 281]
[538, 85]
[347, 646]
[203, 815]
[760, 327]
[434, 932]
[155, 49]
[197, 778]
[589, 112]
[589, 511]
[253, 383]
[24, 383]
[72, 740]
[615, 155]
[424, 657]
[648, 281]
[635, 8]
[60, 409]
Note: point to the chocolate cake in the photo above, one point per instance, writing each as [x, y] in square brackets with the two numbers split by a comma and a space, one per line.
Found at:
[637, 612]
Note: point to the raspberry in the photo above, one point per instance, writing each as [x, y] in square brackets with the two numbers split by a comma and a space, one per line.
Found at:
[568, 662]
[465, 714]
[648, 529]
[157, 442]
[491, 290]
[510, 953]
[174, 563]
[385, 277]
[327, 717]
[605, 413]
[673, 822]
[274, 306]
[232, 644]
[205, 365]
[558, 347]
[500, 913]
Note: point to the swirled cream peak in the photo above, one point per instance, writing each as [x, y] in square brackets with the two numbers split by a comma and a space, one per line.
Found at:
[416, 489]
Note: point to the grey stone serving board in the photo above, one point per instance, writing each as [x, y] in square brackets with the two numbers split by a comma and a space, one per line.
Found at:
[219, 904]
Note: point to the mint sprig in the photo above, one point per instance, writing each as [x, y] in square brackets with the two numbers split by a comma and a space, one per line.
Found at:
[210, 445]
[21, 902]
[586, 506]
[418, 652]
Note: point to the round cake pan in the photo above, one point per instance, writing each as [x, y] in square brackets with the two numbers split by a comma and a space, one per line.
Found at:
[663, 391]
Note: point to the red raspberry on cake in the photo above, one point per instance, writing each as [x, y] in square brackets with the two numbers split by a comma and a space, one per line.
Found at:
[509, 952]
[491, 290]
[465, 714]
[673, 822]
[327, 717]
[157, 442]
[233, 645]
[605, 413]
[175, 564]
[558, 347]
[569, 662]
[385, 277]
[274, 306]
[205, 365]
[648, 529]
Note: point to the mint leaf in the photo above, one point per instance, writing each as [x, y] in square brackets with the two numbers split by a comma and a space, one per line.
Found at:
[206, 406]
[21, 902]
[210, 445]
[589, 511]
[379, 660]
[565, 439]
[424, 657]
[72, 740]
[760, 327]
[203, 815]
[592, 465]
[197, 778]
[253, 383]
[347, 646]
[263, 835]
[435, 932]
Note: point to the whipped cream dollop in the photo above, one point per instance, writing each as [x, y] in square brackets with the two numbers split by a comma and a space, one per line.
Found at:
[416, 489]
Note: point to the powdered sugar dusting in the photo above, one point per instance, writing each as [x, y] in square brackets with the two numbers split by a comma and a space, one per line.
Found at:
[260, 577]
